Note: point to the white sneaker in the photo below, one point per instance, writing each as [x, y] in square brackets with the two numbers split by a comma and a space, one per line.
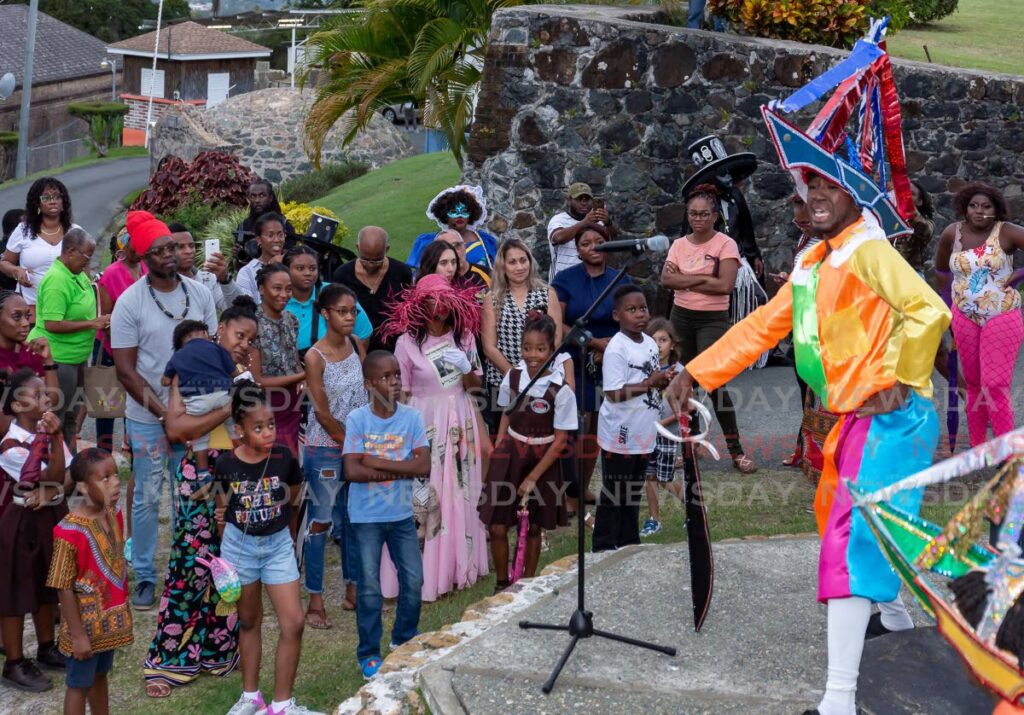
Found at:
[248, 707]
[292, 709]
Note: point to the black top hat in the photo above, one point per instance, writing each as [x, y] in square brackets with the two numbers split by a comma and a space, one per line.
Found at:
[712, 160]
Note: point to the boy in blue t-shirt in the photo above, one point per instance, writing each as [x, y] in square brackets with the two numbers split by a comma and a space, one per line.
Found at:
[386, 447]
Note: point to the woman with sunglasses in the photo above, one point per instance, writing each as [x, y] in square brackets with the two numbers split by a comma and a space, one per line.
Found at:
[701, 268]
[36, 243]
[461, 209]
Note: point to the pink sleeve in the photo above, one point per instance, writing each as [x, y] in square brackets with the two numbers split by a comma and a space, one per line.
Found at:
[673, 252]
[728, 248]
[405, 362]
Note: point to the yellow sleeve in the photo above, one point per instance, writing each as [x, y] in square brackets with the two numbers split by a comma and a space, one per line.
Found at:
[740, 347]
[63, 565]
[921, 317]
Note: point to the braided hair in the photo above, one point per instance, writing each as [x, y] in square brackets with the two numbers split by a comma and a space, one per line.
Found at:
[33, 204]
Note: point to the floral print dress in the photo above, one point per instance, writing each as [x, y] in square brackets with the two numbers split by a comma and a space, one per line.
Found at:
[194, 631]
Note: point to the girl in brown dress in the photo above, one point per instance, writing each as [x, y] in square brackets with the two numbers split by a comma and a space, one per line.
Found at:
[531, 438]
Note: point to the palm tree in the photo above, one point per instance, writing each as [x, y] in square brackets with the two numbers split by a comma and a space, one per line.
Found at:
[427, 51]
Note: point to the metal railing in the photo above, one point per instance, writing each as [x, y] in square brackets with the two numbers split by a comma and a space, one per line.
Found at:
[58, 147]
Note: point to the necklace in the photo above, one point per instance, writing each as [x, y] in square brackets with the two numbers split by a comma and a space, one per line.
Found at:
[152, 294]
[59, 229]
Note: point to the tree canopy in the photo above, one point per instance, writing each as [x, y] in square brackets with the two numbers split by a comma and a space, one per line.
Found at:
[110, 20]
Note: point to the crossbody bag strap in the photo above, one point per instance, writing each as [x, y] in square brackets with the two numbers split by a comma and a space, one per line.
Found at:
[315, 327]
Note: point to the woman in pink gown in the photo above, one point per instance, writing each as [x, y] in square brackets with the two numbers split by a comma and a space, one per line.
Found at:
[440, 365]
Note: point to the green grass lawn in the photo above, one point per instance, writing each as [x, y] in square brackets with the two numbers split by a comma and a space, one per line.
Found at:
[981, 34]
[394, 197]
[770, 503]
[120, 152]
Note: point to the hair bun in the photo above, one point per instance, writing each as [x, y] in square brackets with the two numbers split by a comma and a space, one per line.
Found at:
[706, 189]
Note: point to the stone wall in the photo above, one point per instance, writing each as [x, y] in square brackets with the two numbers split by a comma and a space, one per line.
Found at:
[607, 96]
[263, 129]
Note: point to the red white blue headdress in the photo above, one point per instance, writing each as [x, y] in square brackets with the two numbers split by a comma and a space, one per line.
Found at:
[865, 161]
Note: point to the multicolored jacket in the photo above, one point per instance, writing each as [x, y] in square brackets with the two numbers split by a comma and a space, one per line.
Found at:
[862, 320]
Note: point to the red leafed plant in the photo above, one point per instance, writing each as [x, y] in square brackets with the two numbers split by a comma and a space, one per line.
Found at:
[215, 176]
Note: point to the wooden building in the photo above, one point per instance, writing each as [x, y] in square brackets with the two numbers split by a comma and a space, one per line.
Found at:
[194, 65]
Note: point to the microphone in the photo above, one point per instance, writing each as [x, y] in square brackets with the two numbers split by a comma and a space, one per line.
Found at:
[655, 244]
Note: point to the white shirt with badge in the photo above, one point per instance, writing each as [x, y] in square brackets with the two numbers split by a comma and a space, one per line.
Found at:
[12, 461]
[628, 427]
[565, 399]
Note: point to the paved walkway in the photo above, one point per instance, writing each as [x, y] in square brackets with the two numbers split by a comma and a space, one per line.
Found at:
[762, 648]
[96, 190]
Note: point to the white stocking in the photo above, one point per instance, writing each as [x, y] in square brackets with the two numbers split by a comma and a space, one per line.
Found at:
[847, 621]
[895, 616]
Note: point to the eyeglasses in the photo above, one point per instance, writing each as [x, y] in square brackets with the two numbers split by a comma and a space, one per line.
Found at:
[700, 214]
[163, 251]
[48, 198]
[372, 261]
[345, 312]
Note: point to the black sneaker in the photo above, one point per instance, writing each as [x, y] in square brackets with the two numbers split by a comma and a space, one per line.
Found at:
[875, 627]
[144, 597]
[49, 656]
[24, 675]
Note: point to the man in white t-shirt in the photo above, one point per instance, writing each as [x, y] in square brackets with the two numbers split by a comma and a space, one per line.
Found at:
[626, 430]
[141, 327]
[562, 228]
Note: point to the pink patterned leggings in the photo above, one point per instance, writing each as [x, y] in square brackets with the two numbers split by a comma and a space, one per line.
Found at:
[988, 354]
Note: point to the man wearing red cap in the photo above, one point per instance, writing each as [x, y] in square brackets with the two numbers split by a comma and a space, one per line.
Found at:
[141, 326]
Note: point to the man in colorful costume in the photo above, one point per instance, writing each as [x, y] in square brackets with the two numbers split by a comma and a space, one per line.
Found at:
[866, 328]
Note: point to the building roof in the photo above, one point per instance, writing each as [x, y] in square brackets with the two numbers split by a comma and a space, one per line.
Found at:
[62, 52]
[186, 41]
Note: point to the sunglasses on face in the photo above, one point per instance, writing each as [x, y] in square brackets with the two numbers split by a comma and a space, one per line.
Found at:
[163, 251]
[372, 261]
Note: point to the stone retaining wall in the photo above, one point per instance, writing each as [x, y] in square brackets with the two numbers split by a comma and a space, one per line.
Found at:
[607, 96]
[264, 130]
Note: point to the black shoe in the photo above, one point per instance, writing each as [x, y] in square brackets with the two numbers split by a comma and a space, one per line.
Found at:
[144, 597]
[24, 675]
[811, 712]
[875, 627]
[49, 656]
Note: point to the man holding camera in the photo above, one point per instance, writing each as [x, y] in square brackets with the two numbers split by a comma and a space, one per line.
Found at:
[580, 208]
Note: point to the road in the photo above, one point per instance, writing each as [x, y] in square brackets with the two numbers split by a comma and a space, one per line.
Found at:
[96, 190]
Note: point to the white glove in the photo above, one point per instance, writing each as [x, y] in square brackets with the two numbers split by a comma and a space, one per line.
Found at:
[457, 359]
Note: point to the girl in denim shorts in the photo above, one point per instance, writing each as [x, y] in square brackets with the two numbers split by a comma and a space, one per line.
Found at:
[257, 485]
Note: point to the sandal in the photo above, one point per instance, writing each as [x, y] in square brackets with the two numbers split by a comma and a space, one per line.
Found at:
[318, 620]
[744, 464]
[158, 690]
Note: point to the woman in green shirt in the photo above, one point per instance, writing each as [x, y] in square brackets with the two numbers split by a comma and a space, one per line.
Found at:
[66, 316]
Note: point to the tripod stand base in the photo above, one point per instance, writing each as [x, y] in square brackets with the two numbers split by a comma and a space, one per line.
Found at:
[581, 625]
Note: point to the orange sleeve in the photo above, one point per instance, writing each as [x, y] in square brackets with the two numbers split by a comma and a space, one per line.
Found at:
[740, 347]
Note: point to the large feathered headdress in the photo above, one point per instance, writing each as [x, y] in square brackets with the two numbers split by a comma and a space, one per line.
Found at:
[431, 297]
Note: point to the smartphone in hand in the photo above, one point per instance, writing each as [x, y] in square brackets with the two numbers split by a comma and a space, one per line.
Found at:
[210, 246]
[598, 202]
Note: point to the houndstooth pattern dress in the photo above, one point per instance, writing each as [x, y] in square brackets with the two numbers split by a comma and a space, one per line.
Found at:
[511, 321]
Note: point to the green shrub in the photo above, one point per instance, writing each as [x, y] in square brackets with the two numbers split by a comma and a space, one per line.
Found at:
[103, 109]
[836, 23]
[9, 138]
[897, 10]
[222, 228]
[922, 11]
[317, 184]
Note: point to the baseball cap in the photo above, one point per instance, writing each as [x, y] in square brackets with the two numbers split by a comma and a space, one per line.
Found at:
[579, 189]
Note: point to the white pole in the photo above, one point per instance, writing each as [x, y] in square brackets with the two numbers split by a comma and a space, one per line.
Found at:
[152, 77]
[21, 164]
[295, 59]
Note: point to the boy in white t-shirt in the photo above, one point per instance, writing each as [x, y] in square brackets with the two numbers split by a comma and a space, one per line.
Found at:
[626, 429]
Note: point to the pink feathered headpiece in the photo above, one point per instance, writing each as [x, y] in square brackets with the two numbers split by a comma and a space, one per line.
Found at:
[433, 295]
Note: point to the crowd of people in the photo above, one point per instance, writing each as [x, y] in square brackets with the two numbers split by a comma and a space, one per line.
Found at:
[409, 412]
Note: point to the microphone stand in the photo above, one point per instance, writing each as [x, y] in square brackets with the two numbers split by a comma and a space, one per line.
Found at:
[581, 622]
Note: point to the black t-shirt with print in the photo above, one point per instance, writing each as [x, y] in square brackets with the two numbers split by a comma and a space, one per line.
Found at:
[258, 500]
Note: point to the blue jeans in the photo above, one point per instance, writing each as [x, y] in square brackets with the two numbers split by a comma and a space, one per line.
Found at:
[404, 549]
[327, 504]
[695, 17]
[152, 455]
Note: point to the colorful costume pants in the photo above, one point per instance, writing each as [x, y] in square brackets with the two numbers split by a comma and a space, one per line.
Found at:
[872, 452]
[988, 354]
